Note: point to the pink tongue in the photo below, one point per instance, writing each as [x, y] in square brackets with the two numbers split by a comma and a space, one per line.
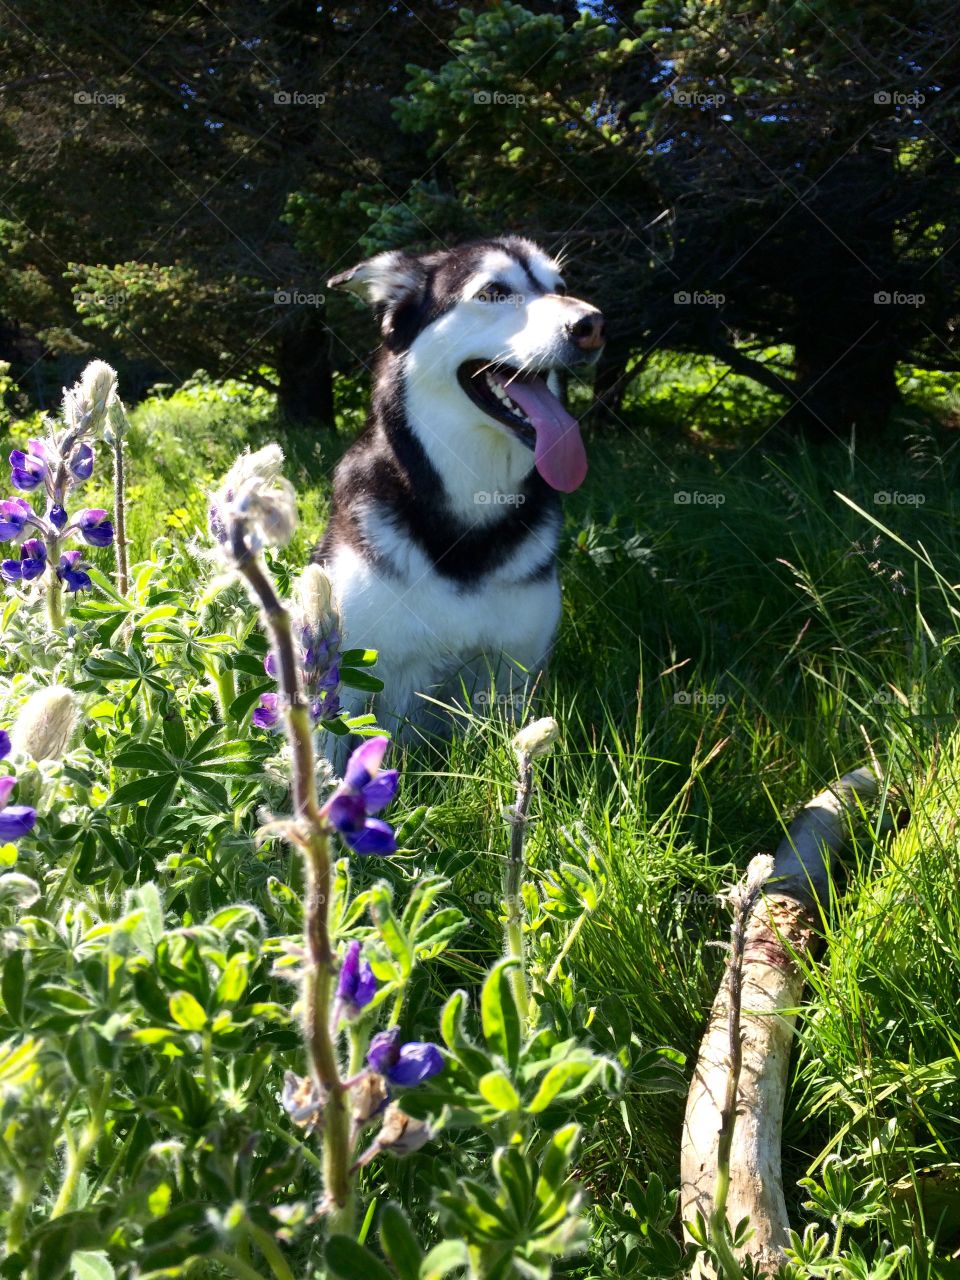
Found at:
[559, 453]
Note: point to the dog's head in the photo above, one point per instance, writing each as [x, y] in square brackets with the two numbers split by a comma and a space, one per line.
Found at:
[486, 329]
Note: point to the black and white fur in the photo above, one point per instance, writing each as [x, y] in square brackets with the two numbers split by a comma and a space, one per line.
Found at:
[442, 540]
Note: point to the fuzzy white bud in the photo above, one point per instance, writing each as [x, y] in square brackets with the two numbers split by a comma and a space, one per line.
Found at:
[254, 492]
[45, 723]
[314, 595]
[536, 738]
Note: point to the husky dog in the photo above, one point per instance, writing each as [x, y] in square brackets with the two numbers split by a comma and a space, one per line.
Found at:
[442, 539]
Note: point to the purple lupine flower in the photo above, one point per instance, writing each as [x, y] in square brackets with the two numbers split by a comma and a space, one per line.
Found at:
[57, 515]
[15, 819]
[267, 714]
[14, 514]
[357, 984]
[95, 527]
[73, 571]
[28, 470]
[32, 562]
[4, 744]
[403, 1064]
[365, 790]
[81, 462]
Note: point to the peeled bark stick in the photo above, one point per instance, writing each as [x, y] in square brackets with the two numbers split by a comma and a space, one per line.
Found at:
[780, 924]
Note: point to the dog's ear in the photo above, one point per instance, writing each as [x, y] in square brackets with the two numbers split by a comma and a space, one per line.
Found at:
[385, 281]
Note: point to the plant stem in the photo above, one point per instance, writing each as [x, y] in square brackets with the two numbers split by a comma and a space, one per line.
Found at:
[565, 949]
[54, 601]
[511, 886]
[120, 515]
[79, 1155]
[313, 838]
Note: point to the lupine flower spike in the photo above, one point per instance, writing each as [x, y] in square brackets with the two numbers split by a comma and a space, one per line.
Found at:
[58, 465]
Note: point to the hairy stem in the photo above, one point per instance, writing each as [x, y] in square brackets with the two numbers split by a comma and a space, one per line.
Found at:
[511, 885]
[120, 515]
[313, 838]
[54, 601]
[80, 1154]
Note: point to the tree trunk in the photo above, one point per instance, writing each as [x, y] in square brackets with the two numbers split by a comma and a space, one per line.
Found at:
[305, 370]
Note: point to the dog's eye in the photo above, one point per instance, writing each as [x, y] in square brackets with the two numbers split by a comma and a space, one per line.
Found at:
[495, 292]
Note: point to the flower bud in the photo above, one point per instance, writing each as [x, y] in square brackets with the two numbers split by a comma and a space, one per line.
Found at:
[98, 388]
[536, 738]
[45, 723]
[314, 593]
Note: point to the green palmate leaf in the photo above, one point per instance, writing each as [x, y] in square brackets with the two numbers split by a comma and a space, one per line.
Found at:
[499, 1014]
[187, 1011]
[496, 1088]
[352, 1261]
[399, 1243]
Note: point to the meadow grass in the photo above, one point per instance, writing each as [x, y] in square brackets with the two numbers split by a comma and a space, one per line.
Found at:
[735, 635]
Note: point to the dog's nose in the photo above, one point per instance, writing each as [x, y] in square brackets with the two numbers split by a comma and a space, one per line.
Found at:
[588, 332]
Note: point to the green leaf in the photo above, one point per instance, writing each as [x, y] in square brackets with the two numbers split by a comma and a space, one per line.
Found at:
[358, 658]
[399, 1243]
[187, 1011]
[495, 1088]
[444, 1258]
[234, 979]
[140, 789]
[351, 1261]
[355, 679]
[91, 1266]
[566, 1080]
[498, 1012]
[12, 986]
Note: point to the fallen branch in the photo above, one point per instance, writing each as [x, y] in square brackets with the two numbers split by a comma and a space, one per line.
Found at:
[745, 1053]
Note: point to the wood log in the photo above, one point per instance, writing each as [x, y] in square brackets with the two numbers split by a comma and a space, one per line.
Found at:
[780, 924]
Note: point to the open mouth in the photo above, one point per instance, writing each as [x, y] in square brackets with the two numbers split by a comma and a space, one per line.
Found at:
[488, 386]
[524, 404]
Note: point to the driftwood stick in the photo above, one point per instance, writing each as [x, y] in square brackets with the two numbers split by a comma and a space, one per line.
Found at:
[780, 923]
